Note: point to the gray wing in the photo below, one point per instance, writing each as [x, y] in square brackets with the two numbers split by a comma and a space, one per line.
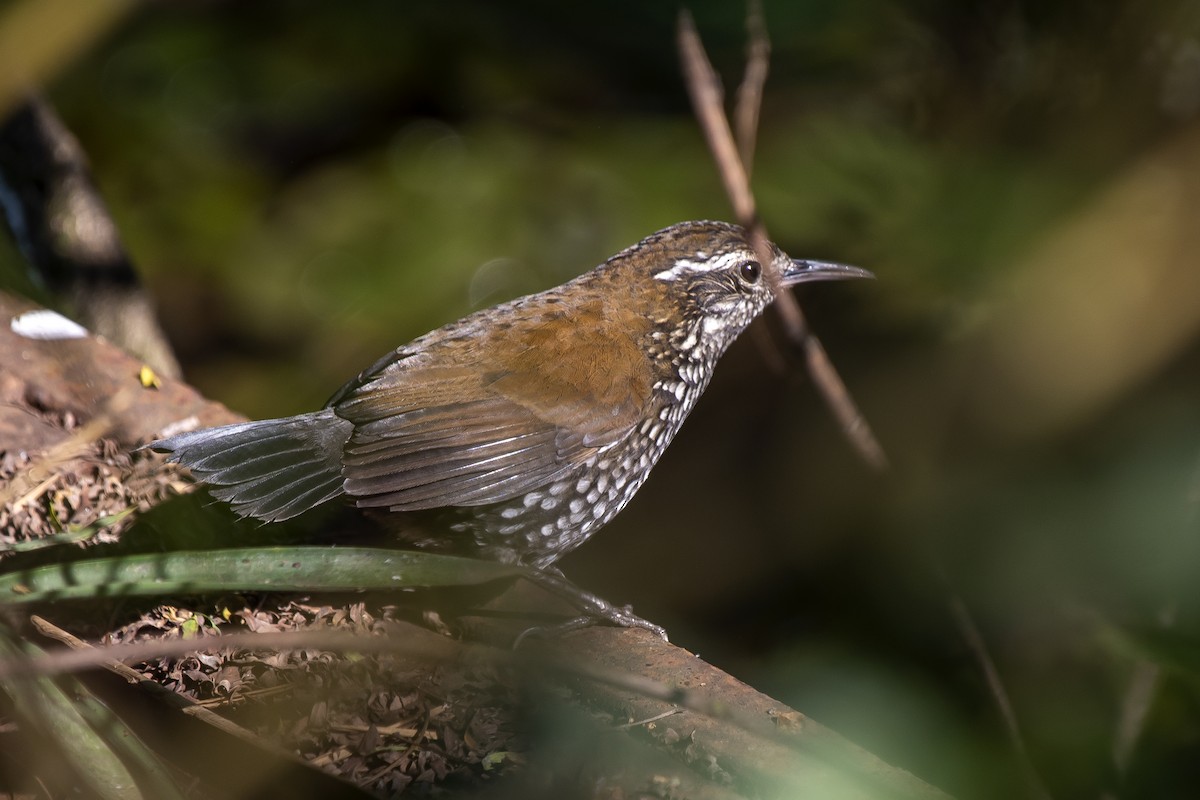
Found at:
[458, 454]
[444, 438]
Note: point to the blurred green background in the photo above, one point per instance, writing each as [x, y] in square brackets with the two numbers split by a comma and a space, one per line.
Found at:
[306, 185]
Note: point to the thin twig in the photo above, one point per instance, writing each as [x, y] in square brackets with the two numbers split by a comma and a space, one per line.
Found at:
[1135, 705]
[769, 349]
[750, 93]
[29, 485]
[67, 661]
[1143, 682]
[975, 643]
[184, 704]
[704, 88]
[638, 723]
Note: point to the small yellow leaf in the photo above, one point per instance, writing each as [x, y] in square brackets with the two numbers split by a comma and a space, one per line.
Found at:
[148, 378]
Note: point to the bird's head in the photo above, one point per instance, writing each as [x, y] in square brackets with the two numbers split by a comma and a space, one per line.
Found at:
[716, 281]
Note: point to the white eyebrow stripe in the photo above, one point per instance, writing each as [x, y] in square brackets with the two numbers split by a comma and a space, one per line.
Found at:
[684, 266]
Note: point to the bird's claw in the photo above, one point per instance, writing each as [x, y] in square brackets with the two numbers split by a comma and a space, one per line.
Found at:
[622, 617]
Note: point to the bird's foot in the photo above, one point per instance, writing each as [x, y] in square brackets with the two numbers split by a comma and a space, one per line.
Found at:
[596, 610]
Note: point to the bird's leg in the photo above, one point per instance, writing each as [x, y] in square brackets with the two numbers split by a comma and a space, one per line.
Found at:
[595, 609]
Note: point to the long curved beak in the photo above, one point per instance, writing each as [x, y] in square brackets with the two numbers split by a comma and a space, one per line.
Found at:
[800, 270]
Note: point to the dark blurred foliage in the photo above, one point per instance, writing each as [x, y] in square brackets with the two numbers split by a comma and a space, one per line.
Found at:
[306, 185]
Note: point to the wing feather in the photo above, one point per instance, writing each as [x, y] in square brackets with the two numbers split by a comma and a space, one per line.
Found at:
[488, 429]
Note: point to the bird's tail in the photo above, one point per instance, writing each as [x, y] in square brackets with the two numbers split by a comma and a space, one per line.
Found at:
[272, 469]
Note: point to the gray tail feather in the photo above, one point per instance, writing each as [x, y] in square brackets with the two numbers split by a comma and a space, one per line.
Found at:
[271, 469]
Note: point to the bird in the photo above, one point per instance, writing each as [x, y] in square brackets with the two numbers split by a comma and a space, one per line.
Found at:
[517, 432]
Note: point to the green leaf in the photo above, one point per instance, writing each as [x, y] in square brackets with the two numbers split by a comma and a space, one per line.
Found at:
[70, 535]
[247, 569]
[41, 704]
[499, 759]
[1168, 648]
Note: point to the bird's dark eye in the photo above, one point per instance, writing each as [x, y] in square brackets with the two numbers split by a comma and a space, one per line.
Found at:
[750, 271]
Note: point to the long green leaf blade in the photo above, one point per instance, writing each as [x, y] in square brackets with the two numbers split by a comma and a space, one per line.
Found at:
[247, 569]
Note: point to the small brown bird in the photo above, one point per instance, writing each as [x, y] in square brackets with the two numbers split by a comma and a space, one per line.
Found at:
[517, 432]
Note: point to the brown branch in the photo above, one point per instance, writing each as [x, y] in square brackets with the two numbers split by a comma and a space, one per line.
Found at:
[750, 93]
[750, 736]
[704, 88]
[88, 378]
